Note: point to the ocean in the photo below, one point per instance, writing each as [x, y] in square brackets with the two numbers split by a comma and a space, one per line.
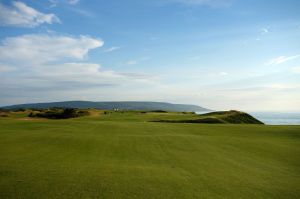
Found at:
[275, 118]
[278, 118]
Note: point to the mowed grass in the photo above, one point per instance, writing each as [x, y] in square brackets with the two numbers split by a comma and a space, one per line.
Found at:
[124, 156]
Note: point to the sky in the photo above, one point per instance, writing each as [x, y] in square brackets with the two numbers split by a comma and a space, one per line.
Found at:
[219, 54]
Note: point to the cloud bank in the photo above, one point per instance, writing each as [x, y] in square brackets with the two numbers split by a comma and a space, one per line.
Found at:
[37, 65]
[42, 48]
[281, 60]
[211, 3]
[21, 15]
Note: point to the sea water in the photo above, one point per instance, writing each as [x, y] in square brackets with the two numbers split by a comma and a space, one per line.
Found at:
[275, 118]
[278, 118]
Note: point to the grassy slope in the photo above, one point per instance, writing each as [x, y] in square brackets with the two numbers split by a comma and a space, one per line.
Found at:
[122, 156]
[223, 117]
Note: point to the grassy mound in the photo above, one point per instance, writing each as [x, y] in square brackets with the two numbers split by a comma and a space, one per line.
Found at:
[221, 117]
[234, 117]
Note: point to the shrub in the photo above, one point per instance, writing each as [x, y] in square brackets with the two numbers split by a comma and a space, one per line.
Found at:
[3, 115]
[3, 110]
[159, 111]
[60, 113]
[19, 110]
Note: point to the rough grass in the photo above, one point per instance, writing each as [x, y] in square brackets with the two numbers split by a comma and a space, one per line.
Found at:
[121, 155]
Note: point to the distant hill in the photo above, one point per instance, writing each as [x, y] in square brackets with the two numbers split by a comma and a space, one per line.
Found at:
[221, 117]
[130, 105]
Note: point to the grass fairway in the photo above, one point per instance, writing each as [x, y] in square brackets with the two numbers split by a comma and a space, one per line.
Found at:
[123, 156]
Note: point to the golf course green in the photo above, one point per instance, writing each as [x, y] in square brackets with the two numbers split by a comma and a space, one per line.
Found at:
[124, 155]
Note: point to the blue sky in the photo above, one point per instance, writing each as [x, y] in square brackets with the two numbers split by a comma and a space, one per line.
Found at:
[220, 54]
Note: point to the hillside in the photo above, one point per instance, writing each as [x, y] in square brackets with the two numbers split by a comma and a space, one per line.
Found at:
[129, 105]
[221, 117]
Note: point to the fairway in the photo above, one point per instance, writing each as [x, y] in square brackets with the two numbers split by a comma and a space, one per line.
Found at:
[124, 156]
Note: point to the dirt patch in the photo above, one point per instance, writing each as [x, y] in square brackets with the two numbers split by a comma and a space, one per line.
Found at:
[95, 113]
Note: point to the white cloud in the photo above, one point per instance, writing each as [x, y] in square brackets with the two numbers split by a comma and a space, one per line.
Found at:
[223, 74]
[281, 60]
[40, 66]
[77, 71]
[212, 3]
[131, 62]
[296, 69]
[42, 48]
[136, 61]
[73, 2]
[54, 3]
[111, 49]
[21, 15]
[264, 31]
[82, 12]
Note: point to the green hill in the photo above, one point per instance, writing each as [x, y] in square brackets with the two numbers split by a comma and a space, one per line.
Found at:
[130, 105]
[221, 117]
